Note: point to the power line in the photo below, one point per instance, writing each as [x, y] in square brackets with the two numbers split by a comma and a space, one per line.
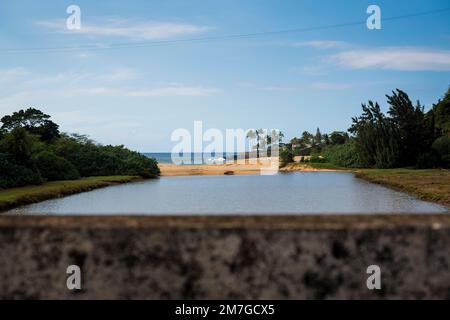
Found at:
[207, 39]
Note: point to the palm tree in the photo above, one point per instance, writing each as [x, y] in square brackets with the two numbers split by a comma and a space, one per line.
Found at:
[280, 137]
[255, 135]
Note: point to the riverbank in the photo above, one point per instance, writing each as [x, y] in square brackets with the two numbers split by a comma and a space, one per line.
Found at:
[426, 184]
[14, 197]
[311, 167]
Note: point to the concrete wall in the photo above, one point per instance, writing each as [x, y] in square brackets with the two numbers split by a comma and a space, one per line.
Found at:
[225, 257]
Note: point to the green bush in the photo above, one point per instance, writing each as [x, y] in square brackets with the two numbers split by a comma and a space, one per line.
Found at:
[286, 156]
[14, 175]
[317, 159]
[96, 160]
[442, 147]
[140, 165]
[33, 150]
[427, 160]
[343, 155]
[53, 167]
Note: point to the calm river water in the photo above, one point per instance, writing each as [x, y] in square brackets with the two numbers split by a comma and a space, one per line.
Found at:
[285, 193]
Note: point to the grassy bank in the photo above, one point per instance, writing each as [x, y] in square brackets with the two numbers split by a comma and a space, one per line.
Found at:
[426, 184]
[308, 166]
[328, 166]
[14, 197]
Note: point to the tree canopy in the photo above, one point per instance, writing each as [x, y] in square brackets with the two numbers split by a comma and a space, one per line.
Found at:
[405, 136]
[32, 150]
[34, 121]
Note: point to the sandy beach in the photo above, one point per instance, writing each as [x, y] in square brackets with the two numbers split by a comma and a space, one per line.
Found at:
[292, 167]
[209, 169]
[229, 168]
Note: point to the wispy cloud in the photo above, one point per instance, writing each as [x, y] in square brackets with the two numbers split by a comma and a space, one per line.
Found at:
[26, 86]
[394, 58]
[312, 70]
[12, 74]
[279, 89]
[137, 30]
[32, 95]
[174, 91]
[322, 44]
[331, 86]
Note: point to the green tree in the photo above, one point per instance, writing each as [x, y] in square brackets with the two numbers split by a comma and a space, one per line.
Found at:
[326, 139]
[258, 136]
[338, 137]
[442, 148]
[53, 167]
[376, 137]
[286, 157]
[306, 140]
[318, 138]
[15, 175]
[34, 121]
[441, 113]
[412, 133]
[343, 155]
[19, 144]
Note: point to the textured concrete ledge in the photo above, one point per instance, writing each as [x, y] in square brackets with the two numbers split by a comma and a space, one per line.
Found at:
[278, 257]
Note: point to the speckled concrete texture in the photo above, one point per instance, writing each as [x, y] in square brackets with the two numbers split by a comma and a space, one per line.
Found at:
[288, 257]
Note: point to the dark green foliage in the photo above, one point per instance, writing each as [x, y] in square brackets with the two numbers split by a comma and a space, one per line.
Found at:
[310, 144]
[34, 121]
[442, 148]
[32, 150]
[396, 140]
[91, 159]
[343, 155]
[338, 137]
[428, 160]
[19, 144]
[412, 132]
[13, 174]
[405, 136]
[376, 138]
[53, 167]
[441, 113]
[317, 159]
[286, 156]
[318, 138]
[326, 139]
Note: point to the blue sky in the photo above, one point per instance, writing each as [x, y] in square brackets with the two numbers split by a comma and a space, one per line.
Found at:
[291, 81]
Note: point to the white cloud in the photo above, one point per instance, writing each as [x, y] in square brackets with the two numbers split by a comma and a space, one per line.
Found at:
[322, 44]
[28, 87]
[174, 91]
[279, 89]
[12, 74]
[137, 30]
[394, 58]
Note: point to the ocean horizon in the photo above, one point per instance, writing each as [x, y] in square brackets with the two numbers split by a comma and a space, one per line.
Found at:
[195, 157]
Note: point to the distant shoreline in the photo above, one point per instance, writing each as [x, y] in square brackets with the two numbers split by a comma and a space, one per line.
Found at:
[229, 168]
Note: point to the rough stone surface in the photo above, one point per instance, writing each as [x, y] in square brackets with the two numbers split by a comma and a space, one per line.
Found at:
[297, 257]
